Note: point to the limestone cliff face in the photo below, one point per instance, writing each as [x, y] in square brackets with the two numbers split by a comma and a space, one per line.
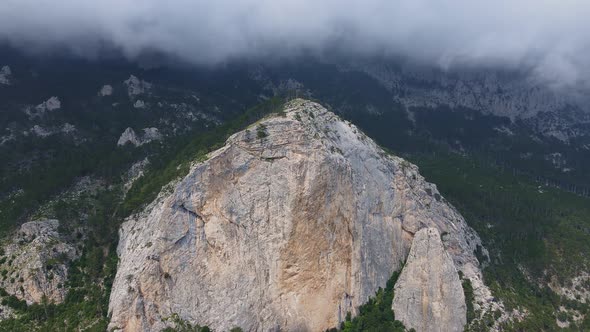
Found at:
[428, 294]
[293, 223]
[548, 110]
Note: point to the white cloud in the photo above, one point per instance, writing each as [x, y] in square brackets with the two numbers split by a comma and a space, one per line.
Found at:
[550, 35]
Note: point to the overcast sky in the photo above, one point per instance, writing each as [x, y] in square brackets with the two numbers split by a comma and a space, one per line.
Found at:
[553, 36]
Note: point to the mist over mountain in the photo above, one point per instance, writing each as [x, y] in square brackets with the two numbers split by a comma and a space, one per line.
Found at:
[545, 36]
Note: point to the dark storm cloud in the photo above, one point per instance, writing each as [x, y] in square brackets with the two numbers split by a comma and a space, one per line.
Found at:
[553, 37]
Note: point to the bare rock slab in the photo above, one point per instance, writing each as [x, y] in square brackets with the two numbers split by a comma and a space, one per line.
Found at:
[428, 294]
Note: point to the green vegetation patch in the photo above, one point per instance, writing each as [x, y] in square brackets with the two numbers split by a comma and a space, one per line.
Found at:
[533, 234]
[376, 315]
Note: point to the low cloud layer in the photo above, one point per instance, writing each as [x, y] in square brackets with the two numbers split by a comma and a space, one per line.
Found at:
[551, 36]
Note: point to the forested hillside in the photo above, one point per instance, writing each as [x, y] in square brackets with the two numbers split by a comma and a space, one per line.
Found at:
[525, 193]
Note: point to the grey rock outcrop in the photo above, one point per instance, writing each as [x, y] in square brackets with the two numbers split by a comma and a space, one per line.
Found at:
[428, 294]
[135, 172]
[5, 75]
[136, 87]
[36, 262]
[106, 90]
[50, 104]
[67, 129]
[293, 223]
[130, 137]
[151, 134]
[139, 104]
[40, 131]
[7, 138]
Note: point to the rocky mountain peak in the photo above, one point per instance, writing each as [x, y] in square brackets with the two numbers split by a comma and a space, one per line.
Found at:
[296, 221]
